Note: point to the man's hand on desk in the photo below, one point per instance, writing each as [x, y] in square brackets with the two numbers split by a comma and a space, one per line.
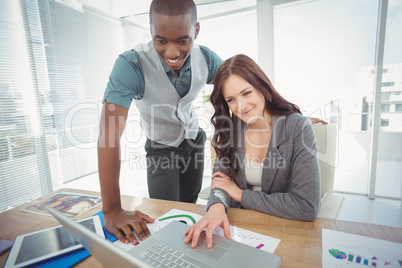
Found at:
[119, 220]
[215, 216]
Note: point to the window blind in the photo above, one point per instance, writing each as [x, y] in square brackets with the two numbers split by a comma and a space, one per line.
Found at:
[56, 60]
[24, 167]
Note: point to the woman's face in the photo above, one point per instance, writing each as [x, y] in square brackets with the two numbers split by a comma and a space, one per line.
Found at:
[243, 99]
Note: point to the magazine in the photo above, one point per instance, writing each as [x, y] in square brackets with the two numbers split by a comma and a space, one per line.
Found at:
[69, 204]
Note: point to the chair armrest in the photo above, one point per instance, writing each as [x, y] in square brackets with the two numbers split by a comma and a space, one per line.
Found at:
[204, 194]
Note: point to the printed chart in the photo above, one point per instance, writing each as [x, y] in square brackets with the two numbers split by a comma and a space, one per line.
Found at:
[341, 249]
[262, 242]
[253, 239]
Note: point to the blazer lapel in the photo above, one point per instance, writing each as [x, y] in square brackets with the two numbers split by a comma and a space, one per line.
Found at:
[273, 158]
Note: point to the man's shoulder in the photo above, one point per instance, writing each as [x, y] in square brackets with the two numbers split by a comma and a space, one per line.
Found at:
[132, 54]
[212, 59]
[207, 51]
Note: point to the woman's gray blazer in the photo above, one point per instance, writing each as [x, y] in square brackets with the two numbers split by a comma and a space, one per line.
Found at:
[290, 178]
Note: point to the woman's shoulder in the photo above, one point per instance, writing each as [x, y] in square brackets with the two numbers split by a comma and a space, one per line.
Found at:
[296, 117]
[291, 120]
[294, 123]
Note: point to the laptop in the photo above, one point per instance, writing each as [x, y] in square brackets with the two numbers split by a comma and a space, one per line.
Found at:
[166, 248]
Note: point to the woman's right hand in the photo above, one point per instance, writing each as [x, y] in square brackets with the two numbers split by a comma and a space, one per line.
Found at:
[215, 217]
[119, 221]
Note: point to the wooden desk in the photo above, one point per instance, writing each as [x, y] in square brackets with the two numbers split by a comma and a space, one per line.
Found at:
[300, 244]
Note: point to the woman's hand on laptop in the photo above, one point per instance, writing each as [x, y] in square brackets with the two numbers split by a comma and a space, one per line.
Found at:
[119, 221]
[215, 217]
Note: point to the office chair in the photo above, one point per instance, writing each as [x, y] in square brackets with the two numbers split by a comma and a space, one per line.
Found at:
[204, 194]
[327, 145]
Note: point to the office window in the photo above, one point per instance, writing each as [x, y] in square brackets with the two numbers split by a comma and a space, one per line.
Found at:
[325, 51]
[384, 122]
[398, 107]
[324, 55]
[25, 116]
[56, 60]
[385, 108]
[388, 84]
[232, 34]
[385, 95]
[389, 157]
[384, 71]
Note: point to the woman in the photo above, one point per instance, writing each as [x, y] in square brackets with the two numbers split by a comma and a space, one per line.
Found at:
[266, 151]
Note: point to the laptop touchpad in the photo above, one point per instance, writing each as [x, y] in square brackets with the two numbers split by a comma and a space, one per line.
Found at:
[217, 251]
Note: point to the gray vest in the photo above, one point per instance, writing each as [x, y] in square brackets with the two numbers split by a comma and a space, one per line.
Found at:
[166, 117]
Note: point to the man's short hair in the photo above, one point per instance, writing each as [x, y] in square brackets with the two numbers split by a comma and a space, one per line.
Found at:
[173, 8]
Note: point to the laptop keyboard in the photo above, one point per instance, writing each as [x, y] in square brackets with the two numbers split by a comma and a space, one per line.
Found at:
[161, 255]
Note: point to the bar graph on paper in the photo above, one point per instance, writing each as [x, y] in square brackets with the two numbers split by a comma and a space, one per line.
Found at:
[341, 249]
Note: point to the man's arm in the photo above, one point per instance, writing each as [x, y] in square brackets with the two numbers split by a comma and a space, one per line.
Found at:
[315, 120]
[112, 125]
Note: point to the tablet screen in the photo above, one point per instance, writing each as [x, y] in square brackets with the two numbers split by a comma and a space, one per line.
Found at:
[54, 240]
[40, 245]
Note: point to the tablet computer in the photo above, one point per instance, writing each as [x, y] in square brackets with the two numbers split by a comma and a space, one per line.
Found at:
[37, 246]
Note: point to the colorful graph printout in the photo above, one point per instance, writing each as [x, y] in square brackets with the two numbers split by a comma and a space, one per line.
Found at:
[250, 238]
[341, 249]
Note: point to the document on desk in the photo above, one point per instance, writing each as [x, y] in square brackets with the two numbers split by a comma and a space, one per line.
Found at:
[69, 204]
[341, 249]
[262, 242]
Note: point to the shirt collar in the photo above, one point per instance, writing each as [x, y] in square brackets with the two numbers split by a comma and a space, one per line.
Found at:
[186, 65]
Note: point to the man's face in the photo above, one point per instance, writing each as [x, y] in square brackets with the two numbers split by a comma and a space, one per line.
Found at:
[173, 38]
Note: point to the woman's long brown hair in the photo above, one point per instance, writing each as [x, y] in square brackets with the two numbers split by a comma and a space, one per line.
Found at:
[225, 137]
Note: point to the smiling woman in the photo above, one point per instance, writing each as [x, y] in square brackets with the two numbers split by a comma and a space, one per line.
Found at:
[266, 151]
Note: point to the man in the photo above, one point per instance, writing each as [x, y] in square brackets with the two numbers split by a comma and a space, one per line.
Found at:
[163, 77]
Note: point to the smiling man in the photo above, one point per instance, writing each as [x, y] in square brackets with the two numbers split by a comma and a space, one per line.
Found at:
[163, 78]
